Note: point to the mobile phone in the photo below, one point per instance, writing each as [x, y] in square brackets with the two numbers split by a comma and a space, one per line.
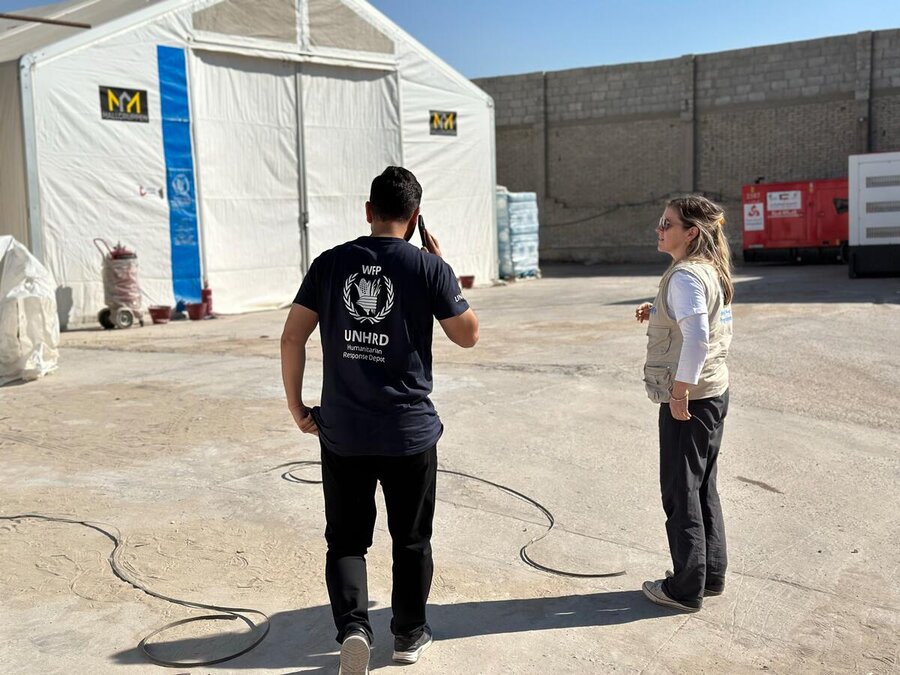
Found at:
[422, 231]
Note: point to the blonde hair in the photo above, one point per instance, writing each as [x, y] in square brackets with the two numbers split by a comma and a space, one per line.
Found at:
[710, 245]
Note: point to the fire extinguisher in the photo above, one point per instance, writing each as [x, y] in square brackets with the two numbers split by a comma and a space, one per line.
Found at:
[206, 297]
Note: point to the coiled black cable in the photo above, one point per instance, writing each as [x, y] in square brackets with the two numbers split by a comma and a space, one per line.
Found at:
[238, 613]
[228, 613]
[523, 552]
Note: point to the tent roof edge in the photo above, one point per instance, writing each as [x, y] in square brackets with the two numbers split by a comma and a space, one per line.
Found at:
[385, 21]
[125, 22]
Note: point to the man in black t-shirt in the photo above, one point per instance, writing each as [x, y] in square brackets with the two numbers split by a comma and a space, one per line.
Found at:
[375, 300]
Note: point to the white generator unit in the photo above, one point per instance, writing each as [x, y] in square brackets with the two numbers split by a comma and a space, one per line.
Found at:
[874, 214]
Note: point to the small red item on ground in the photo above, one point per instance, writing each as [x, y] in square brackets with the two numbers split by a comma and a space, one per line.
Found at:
[160, 313]
[206, 296]
[196, 310]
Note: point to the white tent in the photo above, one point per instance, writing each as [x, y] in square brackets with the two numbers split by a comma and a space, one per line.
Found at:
[229, 141]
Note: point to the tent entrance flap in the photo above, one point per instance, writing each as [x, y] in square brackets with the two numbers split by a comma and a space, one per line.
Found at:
[351, 122]
[12, 156]
[246, 126]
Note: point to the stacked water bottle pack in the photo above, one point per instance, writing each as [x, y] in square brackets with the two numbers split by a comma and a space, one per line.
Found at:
[517, 235]
[503, 236]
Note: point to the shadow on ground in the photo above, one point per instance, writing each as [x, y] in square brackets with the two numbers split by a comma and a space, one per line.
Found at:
[304, 638]
[772, 283]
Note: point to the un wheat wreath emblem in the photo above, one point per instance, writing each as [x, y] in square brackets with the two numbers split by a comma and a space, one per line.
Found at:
[368, 298]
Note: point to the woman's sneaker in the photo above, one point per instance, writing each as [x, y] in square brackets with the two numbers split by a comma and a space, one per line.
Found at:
[407, 650]
[355, 654]
[707, 592]
[655, 593]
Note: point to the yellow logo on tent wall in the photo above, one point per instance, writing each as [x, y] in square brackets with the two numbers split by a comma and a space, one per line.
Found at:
[124, 105]
[443, 123]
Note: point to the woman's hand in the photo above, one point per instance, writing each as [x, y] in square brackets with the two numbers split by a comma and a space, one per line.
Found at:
[678, 402]
[303, 419]
[642, 313]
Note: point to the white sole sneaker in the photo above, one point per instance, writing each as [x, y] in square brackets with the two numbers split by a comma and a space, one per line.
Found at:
[411, 656]
[354, 656]
[654, 592]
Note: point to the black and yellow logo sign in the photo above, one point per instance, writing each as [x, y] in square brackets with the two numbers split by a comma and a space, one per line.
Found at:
[124, 105]
[443, 123]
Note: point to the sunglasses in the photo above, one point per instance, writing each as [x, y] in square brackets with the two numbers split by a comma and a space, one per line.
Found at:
[664, 224]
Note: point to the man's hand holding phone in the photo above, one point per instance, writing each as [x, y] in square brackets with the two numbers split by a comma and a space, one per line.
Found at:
[429, 243]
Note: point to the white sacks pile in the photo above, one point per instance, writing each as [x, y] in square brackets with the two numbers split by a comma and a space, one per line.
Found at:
[517, 233]
[29, 323]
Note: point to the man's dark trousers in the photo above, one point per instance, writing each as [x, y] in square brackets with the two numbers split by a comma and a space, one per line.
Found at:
[408, 484]
[688, 463]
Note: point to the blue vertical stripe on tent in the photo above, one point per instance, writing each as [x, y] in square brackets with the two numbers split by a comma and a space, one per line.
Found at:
[176, 128]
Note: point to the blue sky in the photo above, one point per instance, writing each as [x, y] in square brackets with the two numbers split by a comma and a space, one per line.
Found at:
[501, 37]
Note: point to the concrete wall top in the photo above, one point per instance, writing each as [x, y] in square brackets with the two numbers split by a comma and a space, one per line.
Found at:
[782, 72]
[886, 60]
[785, 71]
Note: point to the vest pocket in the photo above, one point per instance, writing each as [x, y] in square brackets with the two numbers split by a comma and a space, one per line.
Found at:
[658, 382]
[659, 340]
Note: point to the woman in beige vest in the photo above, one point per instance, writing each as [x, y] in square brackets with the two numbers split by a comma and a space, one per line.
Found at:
[685, 373]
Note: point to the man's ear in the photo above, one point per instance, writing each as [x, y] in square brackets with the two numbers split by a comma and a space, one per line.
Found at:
[369, 212]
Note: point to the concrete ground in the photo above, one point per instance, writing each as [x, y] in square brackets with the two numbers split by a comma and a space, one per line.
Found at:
[172, 434]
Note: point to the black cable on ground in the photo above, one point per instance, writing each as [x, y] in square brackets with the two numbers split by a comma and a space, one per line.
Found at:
[238, 613]
[523, 552]
[228, 613]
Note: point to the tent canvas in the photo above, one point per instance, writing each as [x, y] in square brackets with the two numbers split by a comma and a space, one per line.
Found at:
[231, 141]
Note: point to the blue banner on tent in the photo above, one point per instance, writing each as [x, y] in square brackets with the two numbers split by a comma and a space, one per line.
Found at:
[176, 128]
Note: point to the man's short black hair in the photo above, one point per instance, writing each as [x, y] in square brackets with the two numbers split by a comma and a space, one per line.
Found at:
[395, 194]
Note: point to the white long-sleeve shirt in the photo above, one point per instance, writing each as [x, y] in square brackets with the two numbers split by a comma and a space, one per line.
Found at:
[687, 305]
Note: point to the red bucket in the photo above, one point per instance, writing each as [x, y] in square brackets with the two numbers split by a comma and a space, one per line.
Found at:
[160, 313]
[196, 310]
[467, 281]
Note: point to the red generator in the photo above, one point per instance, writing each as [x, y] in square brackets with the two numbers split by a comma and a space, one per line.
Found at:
[796, 222]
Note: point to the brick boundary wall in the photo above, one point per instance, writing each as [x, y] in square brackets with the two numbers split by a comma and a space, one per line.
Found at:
[604, 147]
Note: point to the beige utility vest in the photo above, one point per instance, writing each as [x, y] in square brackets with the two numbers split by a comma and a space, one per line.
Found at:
[665, 340]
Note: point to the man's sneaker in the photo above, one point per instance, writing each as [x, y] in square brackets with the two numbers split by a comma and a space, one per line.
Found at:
[655, 593]
[355, 654]
[707, 592]
[409, 651]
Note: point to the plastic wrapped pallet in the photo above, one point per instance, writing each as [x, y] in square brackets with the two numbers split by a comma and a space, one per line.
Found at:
[524, 227]
[504, 241]
[29, 324]
[525, 255]
[523, 213]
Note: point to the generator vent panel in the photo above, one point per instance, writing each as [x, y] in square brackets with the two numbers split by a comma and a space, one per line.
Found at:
[882, 232]
[882, 181]
[882, 207]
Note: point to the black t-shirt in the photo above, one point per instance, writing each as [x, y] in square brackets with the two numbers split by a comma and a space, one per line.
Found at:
[377, 298]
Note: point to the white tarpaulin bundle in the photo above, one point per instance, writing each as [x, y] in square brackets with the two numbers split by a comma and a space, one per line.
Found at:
[29, 327]
[230, 142]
